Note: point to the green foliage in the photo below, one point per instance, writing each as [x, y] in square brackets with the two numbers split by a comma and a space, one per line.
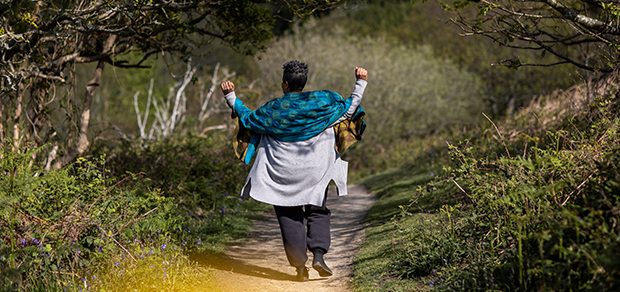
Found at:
[381, 264]
[518, 218]
[612, 10]
[202, 176]
[543, 220]
[411, 91]
[55, 224]
[415, 23]
[108, 222]
[160, 267]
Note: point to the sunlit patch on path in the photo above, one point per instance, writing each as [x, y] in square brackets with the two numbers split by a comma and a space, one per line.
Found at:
[258, 263]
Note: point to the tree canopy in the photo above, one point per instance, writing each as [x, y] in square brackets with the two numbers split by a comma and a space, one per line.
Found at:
[40, 38]
[42, 41]
[584, 33]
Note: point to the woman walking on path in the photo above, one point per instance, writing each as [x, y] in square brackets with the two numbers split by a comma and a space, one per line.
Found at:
[297, 140]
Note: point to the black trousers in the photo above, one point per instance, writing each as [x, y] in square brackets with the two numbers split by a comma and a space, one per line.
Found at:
[297, 237]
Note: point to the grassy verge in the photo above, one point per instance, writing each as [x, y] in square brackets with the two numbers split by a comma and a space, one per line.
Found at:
[526, 204]
[374, 268]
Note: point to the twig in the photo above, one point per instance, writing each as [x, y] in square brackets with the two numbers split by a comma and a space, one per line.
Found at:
[135, 220]
[50, 157]
[500, 134]
[117, 243]
[578, 187]
[122, 180]
[51, 77]
[459, 187]
[121, 246]
[211, 128]
[65, 273]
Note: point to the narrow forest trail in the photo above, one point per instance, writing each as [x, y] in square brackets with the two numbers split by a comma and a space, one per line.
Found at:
[258, 263]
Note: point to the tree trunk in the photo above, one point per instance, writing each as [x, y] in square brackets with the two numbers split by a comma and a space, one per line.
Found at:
[92, 86]
[16, 117]
[39, 117]
[2, 120]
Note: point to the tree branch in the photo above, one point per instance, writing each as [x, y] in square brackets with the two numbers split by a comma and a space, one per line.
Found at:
[92, 86]
[585, 21]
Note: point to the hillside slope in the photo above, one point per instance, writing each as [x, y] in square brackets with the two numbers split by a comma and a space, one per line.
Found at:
[529, 203]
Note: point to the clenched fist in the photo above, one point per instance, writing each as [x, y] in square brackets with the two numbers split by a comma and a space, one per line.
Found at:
[361, 73]
[227, 87]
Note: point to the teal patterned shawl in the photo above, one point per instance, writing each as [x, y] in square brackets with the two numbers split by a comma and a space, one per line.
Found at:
[293, 117]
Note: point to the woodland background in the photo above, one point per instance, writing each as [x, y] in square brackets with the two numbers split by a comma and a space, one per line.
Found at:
[116, 154]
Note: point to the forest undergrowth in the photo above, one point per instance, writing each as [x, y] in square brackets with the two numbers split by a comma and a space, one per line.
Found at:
[120, 221]
[527, 203]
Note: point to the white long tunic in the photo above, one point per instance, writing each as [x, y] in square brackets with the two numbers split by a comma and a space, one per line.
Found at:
[297, 173]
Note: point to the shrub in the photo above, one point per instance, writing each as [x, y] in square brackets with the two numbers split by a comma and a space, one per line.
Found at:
[54, 225]
[412, 93]
[102, 222]
[537, 218]
[203, 178]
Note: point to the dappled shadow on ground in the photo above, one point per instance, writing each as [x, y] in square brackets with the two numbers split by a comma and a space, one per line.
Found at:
[223, 262]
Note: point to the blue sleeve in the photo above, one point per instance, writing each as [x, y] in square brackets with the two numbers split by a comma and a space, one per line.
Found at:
[247, 118]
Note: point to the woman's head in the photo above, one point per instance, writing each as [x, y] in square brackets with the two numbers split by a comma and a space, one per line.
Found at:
[294, 76]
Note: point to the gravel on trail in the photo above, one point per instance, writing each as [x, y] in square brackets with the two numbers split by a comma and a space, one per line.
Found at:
[258, 262]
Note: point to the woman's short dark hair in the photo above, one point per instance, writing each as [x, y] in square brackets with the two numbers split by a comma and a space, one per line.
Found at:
[296, 74]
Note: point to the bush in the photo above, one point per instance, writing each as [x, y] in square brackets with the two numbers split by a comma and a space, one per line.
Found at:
[411, 93]
[537, 218]
[54, 225]
[202, 176]
[100, 223]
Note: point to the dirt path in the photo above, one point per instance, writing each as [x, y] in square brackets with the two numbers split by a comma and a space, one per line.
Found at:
[259, 264]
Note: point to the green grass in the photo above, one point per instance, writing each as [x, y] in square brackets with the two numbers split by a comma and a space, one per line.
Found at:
[393, 189]
[163, 268]
[375, 268]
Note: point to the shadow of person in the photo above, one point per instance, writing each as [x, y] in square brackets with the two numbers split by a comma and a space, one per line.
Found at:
[220, 261]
